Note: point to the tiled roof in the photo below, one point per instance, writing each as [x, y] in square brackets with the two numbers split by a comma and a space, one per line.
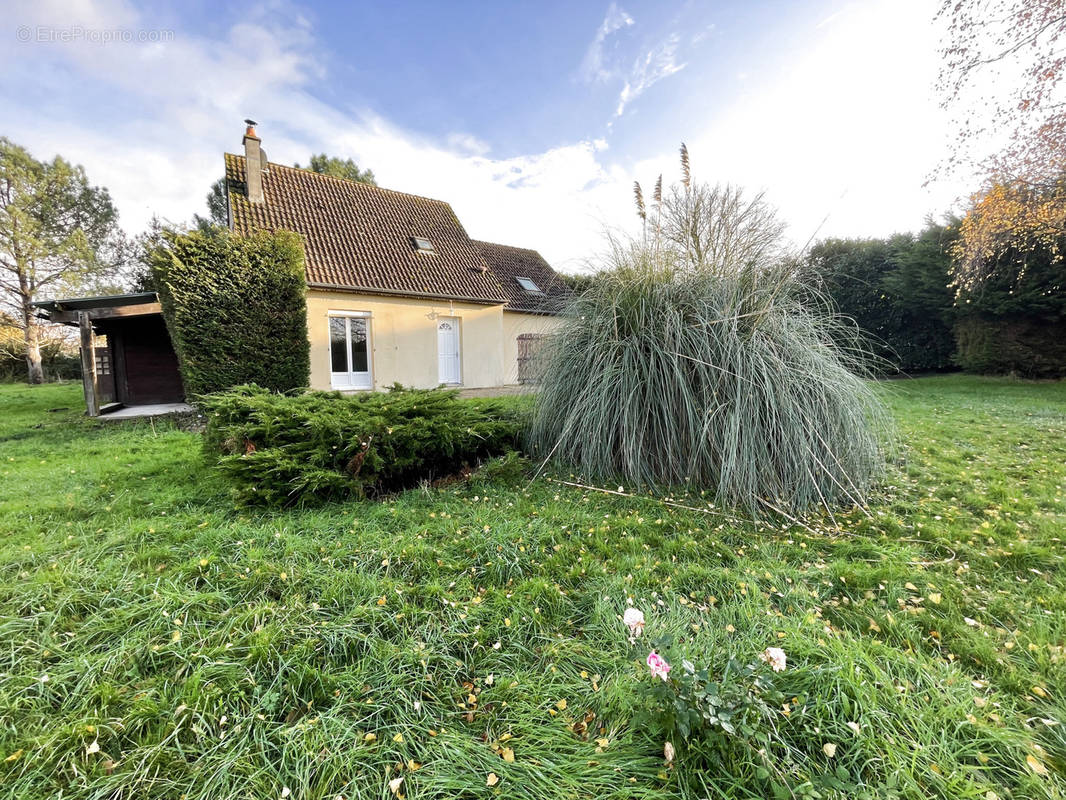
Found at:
[509, 263]
[358, 237]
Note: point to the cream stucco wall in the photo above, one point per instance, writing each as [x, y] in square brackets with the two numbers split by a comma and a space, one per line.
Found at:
[403, 339]
[515, 323]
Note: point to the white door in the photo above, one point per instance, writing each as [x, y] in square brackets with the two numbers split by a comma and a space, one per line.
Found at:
[448, 349]
[349, 351]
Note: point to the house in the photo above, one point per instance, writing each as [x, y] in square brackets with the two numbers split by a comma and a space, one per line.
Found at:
[397, 292]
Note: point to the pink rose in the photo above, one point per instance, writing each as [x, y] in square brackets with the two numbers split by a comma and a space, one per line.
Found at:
[658, 666]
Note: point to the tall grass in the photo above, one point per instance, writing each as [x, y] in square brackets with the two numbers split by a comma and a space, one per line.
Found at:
[700, 357]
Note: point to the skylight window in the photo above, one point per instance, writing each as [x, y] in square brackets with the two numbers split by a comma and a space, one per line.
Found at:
[529, 286]
[423, 245]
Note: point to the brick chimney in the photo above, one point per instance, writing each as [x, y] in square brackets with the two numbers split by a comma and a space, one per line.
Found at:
[254, 159]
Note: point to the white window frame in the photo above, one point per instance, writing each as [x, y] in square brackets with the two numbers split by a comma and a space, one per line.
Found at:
[349, 386]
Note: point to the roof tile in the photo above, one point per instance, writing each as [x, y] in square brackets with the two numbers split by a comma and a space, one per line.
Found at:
[358, 236]
[509, 263]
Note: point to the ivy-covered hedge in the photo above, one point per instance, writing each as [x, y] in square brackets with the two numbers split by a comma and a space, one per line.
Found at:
[281, 450]
[235, 307]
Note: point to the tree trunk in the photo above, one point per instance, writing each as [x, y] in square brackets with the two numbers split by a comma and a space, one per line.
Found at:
[34, 368]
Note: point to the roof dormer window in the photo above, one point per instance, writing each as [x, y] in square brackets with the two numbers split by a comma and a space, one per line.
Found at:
[423, 245]
[528, 285]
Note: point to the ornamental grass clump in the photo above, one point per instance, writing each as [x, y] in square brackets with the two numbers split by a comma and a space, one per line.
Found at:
[701, 358]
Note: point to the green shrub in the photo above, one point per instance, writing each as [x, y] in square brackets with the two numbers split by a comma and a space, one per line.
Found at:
[283, 450]
[235, 308]
[696, 360]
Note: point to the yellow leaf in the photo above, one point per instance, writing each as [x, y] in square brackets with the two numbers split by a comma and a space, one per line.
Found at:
[491, 780]
[1035, 765]
[284, 576]
[398, 738]
[561, 705]
[370, 737]
[935, 597]
[829, 749]
[508, 755]
[382, 600]
[413, 765]
[15, 756]
[395, 784]
[175, 636]
[1039, 692]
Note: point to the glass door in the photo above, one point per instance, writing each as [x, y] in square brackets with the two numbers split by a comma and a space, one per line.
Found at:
[349, 351]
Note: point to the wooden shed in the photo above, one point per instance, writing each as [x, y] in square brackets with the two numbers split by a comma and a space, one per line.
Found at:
[127, 358]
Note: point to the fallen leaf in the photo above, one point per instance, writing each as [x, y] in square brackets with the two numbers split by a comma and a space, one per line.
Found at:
[1036, 766]
[93, 748]
[561, 705]
[491, 780]
[829, 749]
[370, 737]
[508, 755]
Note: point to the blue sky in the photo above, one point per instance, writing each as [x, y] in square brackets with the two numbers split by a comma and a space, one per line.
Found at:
[532, 119]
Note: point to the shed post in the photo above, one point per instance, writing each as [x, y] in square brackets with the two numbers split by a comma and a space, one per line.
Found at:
[88, 364]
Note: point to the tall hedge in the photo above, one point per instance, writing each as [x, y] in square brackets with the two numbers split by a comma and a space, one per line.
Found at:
[1014, 322]
[235, 307]
[896, 290]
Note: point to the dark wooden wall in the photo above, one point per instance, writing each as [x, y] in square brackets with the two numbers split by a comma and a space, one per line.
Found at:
[145, 366]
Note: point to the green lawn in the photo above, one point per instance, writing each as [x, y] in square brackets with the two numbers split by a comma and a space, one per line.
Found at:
[157, 642]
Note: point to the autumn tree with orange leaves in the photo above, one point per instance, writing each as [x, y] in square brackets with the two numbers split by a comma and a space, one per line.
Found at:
[1022, 208]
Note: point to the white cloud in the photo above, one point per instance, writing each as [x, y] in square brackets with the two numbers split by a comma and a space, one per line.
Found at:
[658, 63]
[592, 66]
[844, 128]
[845, 125]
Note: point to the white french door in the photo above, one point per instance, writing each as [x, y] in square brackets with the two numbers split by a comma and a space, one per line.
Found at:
[448, 350]
[349, 350]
